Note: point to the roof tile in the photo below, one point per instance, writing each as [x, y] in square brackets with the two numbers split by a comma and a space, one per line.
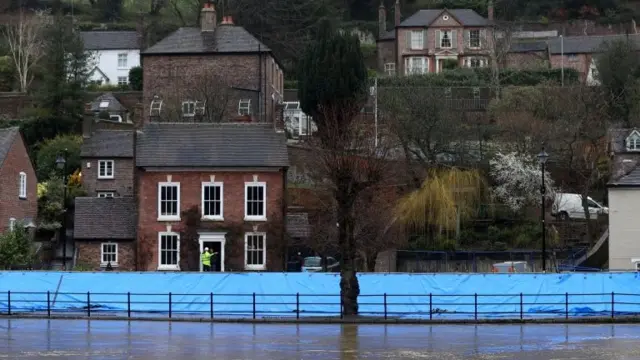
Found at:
[211, 145]
[110, 40]
[105, 218]
[225, 39]
[587, 44]
[7, 137]
[108, 143]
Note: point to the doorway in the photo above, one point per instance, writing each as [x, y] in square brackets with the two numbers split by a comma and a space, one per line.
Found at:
[215, 243]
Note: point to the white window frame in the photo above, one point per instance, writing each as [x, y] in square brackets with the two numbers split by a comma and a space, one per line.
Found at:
[390, 69]
[248, 266]
[155, 108]
[248, 217]
[103, 253]
[123, 60]
[244, 107]
[633, 141]
[409, 68]
[191, 108]
[482, 62]
[12, 224]
[22, 185]
[442, 33]
[106, 174]
[168, 266]
[123, 80]
[417, 40]
[106, 194]
[476, 93]
[479, 39]
[165, 217]
[219, 217]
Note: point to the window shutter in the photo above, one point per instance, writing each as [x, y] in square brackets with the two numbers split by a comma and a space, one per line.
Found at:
[438, 41]
[454, 39]
[483, 36]
[408, 39]
[467, 38]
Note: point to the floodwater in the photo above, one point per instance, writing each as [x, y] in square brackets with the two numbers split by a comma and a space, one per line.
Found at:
[95, 339]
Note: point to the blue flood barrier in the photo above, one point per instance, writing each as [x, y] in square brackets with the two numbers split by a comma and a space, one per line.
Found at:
[408, 295]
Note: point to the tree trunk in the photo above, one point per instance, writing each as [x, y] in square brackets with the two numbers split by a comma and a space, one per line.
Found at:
[349, 287]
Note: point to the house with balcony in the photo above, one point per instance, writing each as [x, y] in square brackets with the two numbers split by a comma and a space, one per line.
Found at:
[433, 40]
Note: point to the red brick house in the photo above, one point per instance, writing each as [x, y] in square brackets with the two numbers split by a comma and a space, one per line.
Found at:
[18, 183]
[230, 177]
[212, 73]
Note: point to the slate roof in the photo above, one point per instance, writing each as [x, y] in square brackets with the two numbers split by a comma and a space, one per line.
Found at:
[110, 40]
[528, 46]
[211, 145]
[298, 225]
[113, 103]
[105, 218]
[617, 138]
[225, 39]
[587, 44]
[7, 137]
[108, 143]
[466, 17]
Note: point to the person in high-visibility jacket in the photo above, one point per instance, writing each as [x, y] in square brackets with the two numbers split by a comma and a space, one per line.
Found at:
[206, 260]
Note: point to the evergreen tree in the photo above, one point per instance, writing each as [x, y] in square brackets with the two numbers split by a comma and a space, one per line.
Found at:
[332, 85]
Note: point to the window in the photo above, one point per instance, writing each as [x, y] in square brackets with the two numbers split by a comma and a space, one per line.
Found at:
[390, 69]
[199, 107]
[255, 250]
[104, 104]
[417, 40]
[416, 65]
[476, 93]
[474, 39]
[255, 201]
[156, 107]
[633, 142]
[188, 108]
[109, 254]
[122, 60]
[168, 251]
[445, 39]
[244, 107]
[212, 200]
[12, 224]
[22, 185]
[106, 194]
[123, 80]
[105, 169]
[448, 93]
[168, 201]
[475, 62]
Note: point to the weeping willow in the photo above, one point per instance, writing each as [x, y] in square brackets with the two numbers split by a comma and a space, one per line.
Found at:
[445, 197]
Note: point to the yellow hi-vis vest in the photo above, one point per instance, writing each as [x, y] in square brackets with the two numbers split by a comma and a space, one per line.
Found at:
[206, 258]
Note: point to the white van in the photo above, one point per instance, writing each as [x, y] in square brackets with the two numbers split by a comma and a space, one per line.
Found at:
[569, 206]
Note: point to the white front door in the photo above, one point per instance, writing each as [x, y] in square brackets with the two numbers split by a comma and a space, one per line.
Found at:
[215, 242]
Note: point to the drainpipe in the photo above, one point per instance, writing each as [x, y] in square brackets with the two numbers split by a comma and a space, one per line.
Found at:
[284, 237]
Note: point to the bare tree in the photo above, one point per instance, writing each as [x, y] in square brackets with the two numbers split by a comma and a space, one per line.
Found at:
[26, 44]
[206, 99]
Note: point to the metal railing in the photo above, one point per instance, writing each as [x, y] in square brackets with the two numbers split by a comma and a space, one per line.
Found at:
[294, 306]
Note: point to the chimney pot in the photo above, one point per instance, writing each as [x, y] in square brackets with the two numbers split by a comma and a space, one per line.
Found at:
[208, 17]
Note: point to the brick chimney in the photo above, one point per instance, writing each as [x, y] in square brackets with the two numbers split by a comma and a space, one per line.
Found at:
[490, 10]
[88, 121]
[382, 19]
[140, 31]
[208, 17]
[139, 118]
[396, 13]
[227, 20]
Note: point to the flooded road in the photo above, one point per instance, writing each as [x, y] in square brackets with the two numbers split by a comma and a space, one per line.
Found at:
[83, 339]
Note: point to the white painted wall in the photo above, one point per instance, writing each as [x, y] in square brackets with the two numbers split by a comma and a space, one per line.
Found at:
[107, 62]
[624, 228]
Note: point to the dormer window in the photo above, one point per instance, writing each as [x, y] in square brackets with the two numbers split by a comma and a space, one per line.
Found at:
[633, 141]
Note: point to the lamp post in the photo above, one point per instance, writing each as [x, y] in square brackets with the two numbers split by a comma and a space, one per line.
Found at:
[542, 158]
[61, 162]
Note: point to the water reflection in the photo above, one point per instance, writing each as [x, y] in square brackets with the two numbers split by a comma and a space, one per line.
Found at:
[82, 339]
